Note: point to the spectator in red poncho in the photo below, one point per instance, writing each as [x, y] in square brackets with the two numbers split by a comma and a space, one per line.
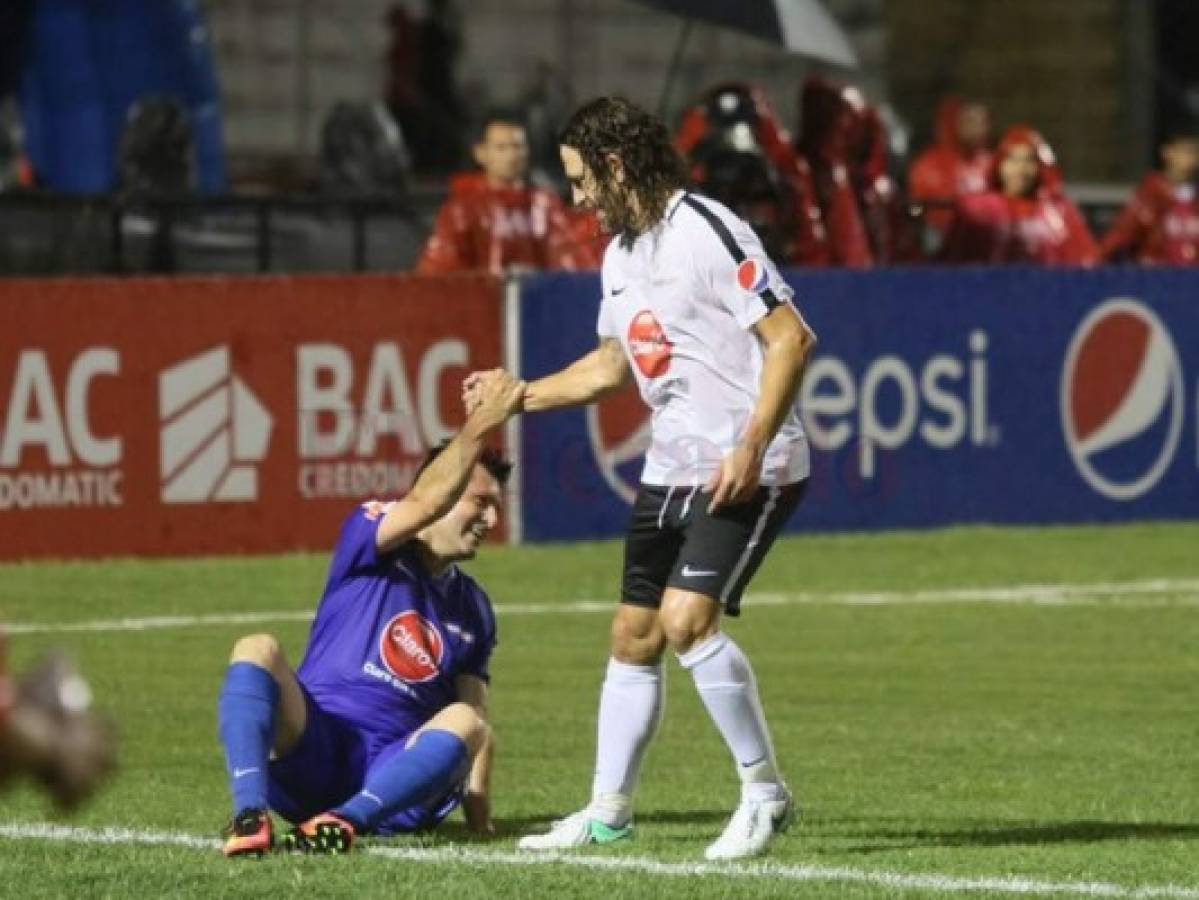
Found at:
[1161, 222]
[956, 164]
[845, 141]
[829, 122]
[494, 220]
[739, 153]
[890, 227]
[1025, 217]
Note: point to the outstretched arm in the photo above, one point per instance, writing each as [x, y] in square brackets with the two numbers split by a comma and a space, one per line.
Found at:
[585, 380]
[441, 484]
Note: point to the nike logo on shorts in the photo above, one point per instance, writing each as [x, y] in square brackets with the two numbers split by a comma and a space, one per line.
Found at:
[689, 572]
[240, 773]
[619, 290]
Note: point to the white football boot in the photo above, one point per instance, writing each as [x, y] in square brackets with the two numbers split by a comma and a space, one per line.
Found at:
[753, 824]
[576, 830]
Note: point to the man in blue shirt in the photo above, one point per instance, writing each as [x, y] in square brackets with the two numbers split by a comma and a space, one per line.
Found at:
[383, 727]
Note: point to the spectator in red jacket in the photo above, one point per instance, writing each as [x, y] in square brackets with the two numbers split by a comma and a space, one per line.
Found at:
[890, 227]
[740, 153]
[495, 220]
[956, 164]
[1025, 217]
[845, 141]
[1161, 222]
[829, 123]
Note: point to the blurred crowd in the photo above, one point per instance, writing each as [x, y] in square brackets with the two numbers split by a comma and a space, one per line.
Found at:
[835, 194]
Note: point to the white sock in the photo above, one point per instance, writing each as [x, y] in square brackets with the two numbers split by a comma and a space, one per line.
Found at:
[727, 686]
[631, 706]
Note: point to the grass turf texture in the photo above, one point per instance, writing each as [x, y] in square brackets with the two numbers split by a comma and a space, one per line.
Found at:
[966, 740]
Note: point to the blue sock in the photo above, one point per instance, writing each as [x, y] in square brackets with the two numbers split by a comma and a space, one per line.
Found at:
[415, 775]
[246, 713]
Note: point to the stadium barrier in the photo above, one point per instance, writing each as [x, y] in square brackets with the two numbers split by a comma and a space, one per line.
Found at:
[935, 397]
[199, 416]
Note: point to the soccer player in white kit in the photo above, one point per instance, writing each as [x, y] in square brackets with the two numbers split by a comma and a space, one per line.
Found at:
[693, 309]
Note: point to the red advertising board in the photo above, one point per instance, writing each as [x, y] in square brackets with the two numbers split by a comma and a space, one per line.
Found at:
[200, 416]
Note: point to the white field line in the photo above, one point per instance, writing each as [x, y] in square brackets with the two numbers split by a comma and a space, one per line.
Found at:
[1007, 884]
[1151, 593]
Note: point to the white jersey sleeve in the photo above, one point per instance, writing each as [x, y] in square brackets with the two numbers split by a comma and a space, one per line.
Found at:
[733, 265]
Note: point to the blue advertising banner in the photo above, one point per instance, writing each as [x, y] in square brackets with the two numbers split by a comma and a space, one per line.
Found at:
[935, 397]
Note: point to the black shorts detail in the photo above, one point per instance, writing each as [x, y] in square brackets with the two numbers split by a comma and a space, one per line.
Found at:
[673, 542]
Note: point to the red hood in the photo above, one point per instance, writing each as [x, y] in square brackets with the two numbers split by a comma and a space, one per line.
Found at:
[1049, 174]
[945, 130]
[829, 115]
[839, 126]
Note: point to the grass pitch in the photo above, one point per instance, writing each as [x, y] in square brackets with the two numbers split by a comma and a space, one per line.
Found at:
[942, 740]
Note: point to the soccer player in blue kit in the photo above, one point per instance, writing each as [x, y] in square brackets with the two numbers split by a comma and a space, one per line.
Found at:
[383, 727]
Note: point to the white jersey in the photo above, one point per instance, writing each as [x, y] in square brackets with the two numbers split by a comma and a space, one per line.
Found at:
[682, 302]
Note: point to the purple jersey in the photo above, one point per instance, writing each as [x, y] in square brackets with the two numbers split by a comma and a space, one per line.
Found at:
[389, 638]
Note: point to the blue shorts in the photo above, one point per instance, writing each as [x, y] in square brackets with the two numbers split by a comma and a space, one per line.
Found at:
[329, 765]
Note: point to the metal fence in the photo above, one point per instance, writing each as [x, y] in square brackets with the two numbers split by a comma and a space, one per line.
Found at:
[48, 234]
[45, 234]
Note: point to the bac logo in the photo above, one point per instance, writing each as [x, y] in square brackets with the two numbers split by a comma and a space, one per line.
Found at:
[752, 276]
[1122, 399]
[411, 647]
[648, 345]
[213, 429]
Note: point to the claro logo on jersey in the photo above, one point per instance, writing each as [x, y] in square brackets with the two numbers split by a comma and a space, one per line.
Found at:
[648, 345]
[1122, 399]
[411, 647]
[213, 430]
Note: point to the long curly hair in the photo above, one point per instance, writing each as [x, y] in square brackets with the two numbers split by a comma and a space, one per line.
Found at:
[653, 170]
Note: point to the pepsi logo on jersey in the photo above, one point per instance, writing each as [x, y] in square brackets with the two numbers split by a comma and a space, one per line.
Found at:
[752, 276]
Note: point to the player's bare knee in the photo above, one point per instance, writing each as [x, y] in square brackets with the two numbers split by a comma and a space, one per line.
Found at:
[688, 619]
[261, 649]
[680, 636]
[636, 636]
[683, 630]
[479, 736]
[465, 721]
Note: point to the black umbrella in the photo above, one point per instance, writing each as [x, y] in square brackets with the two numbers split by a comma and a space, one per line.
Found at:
[798, 26]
